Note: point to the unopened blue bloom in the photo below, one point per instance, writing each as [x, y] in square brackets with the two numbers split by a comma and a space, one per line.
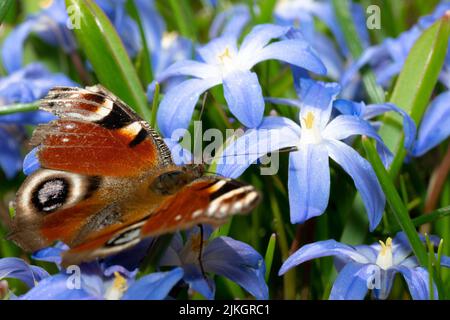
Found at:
[223, 256]
[223, 63]
[301, 13]
[51, 25]
[230, 22]
[387, 59]
[316, 140]
[365, 267]
[435, 125]
[165, 47]
[23, 86]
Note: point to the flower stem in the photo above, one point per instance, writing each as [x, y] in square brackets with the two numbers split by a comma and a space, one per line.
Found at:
[395, 202]
[289, 277]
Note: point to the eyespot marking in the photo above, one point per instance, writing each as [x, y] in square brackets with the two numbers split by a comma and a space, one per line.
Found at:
[50, 194]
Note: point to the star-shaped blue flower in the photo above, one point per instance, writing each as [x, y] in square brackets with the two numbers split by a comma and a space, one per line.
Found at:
[221, 62]
[365, 267]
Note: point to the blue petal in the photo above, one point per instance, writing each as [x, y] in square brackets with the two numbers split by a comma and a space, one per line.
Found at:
[435, 126]
[239, 262]
[31, 118]
[364, 178]
[284, 101]
[322, 249]
[418, 282]
[152, 23]
[352, 282]
[10, 157]
[31, 162]
[309, 182]
[296, 52]
[180, 155]
[155, 286]
[18, 269]
[189, 68]
[230, 22]
[347, 107]
[55, 288]
[243, 94]
[197, 281]
[259, 37]
[12, 50]
[373, 110]
[51, 254]
[317, 97]
[345, 126]
[211, 51]
[273, 134]
[175, 110]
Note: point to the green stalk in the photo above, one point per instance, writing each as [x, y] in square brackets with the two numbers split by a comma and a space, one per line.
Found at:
[183, 18]
[289, 277]
[268, 258]
[395, 202]
[155, 105]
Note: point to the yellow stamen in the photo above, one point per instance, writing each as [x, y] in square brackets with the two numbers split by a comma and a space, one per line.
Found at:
[44, 4]
[225, 54]
[385, 257]
[385, 246]
[118, 287]
[309, 120]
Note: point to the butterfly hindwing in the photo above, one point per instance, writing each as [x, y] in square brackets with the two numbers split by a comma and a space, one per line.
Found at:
[208, 200]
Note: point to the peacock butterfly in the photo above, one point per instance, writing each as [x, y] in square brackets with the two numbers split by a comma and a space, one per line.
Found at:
[107, 180]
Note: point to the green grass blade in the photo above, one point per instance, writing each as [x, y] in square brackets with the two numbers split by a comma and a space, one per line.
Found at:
[103, 47]
[415, 85]
[395, 202]
[268, 258]
[5, 5]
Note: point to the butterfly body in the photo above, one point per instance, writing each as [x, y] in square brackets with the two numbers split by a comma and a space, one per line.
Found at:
[107, 180]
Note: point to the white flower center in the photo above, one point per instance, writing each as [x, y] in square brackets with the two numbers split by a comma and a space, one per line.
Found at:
[168, 39]
[384, 259]
[310, 131]
[226, 61]
[117, 289]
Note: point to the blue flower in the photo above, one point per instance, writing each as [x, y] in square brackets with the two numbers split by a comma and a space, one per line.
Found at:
[301, 13]
[16, 268]
[165, 47]
[367, 267]
[316, 139]
[223, 256]
[370, 111]
[23, 86]
[230, 22]
[102, 280]
[435, 125]
[223, 63]
[387, 59]
[50, 24]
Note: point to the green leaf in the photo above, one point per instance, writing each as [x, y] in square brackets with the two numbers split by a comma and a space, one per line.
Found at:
[268, 258]
[5, 5]
[104, 49]
[266, 11]
[415, 85]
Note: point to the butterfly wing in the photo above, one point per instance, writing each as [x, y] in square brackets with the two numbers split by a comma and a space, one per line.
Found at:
[93, 159]
[211, 200]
